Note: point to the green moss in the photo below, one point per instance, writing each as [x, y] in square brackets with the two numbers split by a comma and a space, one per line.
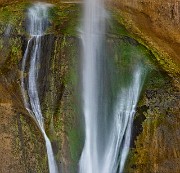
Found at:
[27, 139]
[75, 143]
[13, 15]
[64, 19]
[115, 27]
[129, 165]
[10, 55]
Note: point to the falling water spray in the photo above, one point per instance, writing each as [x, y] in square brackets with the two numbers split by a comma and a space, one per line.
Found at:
[107, 133]
[37, 24]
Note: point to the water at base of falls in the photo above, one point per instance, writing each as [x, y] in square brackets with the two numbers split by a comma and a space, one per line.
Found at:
[107, 125]
[37, 24]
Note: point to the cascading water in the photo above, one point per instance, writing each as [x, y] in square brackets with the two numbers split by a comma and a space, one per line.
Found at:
[37, 24]
[92, 35]
[107, 127]
[118, 144]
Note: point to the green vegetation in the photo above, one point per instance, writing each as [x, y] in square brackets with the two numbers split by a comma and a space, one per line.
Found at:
[13, 15]
[75, 143]
[64, 19]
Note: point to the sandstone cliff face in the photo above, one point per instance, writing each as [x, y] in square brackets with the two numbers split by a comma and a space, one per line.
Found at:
[155, 24]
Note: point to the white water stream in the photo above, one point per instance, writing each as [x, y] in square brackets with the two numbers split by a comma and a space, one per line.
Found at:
[105, 151]
[92, 35]
[37, 24]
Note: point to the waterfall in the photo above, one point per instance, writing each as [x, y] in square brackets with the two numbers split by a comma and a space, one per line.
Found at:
[120, 132]
[107, 127]
[37, 24]
[92, 36]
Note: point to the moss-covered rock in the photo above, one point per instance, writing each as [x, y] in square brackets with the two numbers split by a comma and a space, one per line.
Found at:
[156, 147]
[56, 74]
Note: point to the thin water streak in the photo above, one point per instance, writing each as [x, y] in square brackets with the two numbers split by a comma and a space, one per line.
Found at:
[37, 24]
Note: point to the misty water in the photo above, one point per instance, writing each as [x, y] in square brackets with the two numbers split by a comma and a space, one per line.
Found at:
[108, 107]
